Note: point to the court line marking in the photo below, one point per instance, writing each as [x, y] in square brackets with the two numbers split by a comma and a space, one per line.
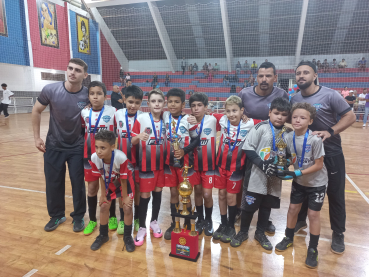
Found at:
[30, 273]
[65, 248]
[358, 189]
[358, 174]
[30, 190]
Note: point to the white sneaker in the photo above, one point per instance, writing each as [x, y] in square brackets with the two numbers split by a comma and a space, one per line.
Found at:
[156, 231]
[364, 124]
[140, 237]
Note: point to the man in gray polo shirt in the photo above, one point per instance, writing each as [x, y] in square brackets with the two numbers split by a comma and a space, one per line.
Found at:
[328, 103]
[256, 101]
[64, 143]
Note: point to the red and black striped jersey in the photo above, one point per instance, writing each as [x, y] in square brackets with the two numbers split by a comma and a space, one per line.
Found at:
[106, 123]
[121, 129]
[205, 152]
[183, 138]
[227, 159]
[151, 152]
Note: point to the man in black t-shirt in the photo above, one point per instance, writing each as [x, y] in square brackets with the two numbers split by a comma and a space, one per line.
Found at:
[350, 99]
[117, 100]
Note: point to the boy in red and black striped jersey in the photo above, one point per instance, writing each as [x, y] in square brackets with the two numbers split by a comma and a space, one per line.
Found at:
[124, 121]
[149, 132]
[98, 117]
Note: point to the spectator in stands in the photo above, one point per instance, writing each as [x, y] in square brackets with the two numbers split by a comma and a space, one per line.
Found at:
[238, 67]
[167, 80]
[183, 65]
[350, 99]
[210, 67]
[128, 77]
[226, 80]
[319, 65]
[361, 106]
[235, 78]
[251, 80]
[216, 105]
[210, 77]
[362, 64]
[190, 93]
[205, 67]
[325, 66]
[254, 67]
[190, 68]
[314, 62]
[216, 67]
[342, 65]
[266, 60]
[121, 75]
[245, 84]
[154, 80]
[345, 92]
[246, 67]
[233, 89]
[334, 65]
[117, 98]
[195, 67]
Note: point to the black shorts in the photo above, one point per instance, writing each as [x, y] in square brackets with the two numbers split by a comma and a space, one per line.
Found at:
[315, 196]
[255, 200]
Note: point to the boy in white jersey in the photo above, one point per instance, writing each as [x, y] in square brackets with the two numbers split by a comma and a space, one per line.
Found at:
[98, 117]
[310, 178]
[124, 121]
[115, 172]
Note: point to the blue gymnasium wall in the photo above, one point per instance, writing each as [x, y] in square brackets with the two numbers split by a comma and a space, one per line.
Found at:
[92, 60]
[14, 47]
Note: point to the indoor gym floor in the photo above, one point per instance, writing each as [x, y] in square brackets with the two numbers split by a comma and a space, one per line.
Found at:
[26, 249]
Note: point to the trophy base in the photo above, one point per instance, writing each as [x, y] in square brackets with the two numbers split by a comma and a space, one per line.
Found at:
[184, 246]
[184, 258]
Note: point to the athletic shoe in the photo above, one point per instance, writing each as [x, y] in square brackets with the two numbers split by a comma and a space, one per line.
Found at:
[228, 235]
[284, 244]
[311, 258]
[78, 225]
[261, 238]
[299, 226]
[219, 232]
[338, 243]
[238, 239]
[113, 223]
[89, 228]
[54, 223]
[270, 229]
[140, 237]
[100, 240]
[136, 224]
[208, 227]
[168, 232]
[120, 229]
[7, 116]
[129, 243]
[156, 231]
[199, 226]
[364, 125]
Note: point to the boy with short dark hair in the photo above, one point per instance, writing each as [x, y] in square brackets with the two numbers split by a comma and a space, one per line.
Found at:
[310, 178]
[264, 189]
[115, 172]
[98, 117]
[124, 122]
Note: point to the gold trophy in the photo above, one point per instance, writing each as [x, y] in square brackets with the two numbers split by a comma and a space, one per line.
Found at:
[281, 150]
[185, 190]
[175, 142]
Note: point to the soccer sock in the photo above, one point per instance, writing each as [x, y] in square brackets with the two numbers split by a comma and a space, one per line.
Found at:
[232, 210]
[208, 213]
[223, 219]
[92, 205]
[290, 233]
[200, 212]
[121, 214]
[173, 210]
[246, 218]
[156, 202]
[104, 230]
[127, 230]
[112, 208]
[144, 202]
[314, 239]
[263, 219]
[137, 212]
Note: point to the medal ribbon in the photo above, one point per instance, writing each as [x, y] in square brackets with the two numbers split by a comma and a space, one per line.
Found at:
[153, 127]
[107, 180]
[170, 127]
[97, 121]
[238, 131]
[127, 123]
[301, 162]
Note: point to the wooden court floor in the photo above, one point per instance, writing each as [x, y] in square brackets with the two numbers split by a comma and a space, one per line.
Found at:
[25, 246]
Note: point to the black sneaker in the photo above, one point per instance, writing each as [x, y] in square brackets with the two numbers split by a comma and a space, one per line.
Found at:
[311, 258]
[228, 235]
[54, 223]
[78, 225]
[129, 243]
[261, 238]
[238, 239]
[219, 232]
[199, 226]
[168, 232]
[299, 226]
[100, 240]
[338, 243]
[270, 229]
[208, 227]
[284, 244]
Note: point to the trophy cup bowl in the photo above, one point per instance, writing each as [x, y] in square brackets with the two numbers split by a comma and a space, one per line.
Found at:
[185, 191]
[281, 154]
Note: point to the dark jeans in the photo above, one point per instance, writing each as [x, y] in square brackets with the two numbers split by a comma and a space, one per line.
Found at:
[336, 193]
[55, 169]
[4, 107]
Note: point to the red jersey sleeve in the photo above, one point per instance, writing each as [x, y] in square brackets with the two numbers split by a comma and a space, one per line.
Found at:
[95, 171]
[218, 116]
[123, 171]
[256, 121]
[136, 128]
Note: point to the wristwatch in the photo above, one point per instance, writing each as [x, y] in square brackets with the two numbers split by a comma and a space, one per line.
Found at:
[331, 131]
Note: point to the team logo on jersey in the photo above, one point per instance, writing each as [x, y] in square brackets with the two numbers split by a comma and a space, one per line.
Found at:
[250, 199]
[308, 148]
[121, 124]
[243, 133]
[81, 104]
[317, 106]
[106, 118]
[155, 142]
[148, 131]
[264, 153]
[87, 119]
[207, 131]
[226, 131]
[182, 129]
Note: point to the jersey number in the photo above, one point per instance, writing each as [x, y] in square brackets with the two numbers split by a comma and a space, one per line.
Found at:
[319, 197]
[210, 180]
[234, 185]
